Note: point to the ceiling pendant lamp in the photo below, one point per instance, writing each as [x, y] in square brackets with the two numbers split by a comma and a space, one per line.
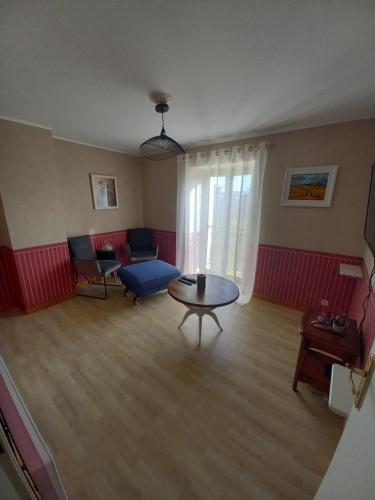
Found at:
[161, 147]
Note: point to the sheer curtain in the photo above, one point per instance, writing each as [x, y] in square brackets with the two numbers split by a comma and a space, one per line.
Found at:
[219, 201]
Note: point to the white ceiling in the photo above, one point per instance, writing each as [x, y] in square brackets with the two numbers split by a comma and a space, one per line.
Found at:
[85, 68]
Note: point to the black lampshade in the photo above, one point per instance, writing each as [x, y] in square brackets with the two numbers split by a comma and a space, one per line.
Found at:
[161, 147]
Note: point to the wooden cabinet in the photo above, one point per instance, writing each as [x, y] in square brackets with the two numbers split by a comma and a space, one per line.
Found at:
[320, 349]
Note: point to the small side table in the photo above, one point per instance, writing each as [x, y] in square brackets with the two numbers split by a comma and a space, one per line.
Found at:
[219, 292]
[320, 349]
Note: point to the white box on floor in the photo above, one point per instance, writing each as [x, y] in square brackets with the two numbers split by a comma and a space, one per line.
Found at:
[340, 395]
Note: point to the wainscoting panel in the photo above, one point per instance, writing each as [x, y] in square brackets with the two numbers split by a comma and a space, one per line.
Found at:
[165, 239]
[167, 245]
[44, 273]
[115, 238]
[301, 278]
[298, 278]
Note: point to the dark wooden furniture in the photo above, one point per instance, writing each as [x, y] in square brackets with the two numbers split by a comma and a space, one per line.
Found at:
[320, 349]
[219, 292]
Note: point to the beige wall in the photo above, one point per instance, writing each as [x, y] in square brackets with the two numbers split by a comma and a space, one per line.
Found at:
[337, 229]
[75, 162]
[28, 185]
[159, 194]
[45, 187]
[46, 192]
[4, 233]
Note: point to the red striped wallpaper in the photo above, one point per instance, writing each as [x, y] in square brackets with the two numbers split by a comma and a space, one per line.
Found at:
[115, 238]
[34, 276]
[356, 311]
[44, 274]
[302, 278]
[167, 245]
[165, 239]
[298, 278]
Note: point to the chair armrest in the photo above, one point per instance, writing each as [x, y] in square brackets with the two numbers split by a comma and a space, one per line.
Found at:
[128, 249]
[106, 255]
[109, 266]
[156, 249]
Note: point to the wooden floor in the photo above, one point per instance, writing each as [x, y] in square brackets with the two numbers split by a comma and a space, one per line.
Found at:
[131, 407]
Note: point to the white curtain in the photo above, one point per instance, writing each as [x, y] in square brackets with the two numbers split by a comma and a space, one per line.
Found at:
[219, 200]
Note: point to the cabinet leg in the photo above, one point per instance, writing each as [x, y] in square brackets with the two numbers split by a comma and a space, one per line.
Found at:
[301, 355]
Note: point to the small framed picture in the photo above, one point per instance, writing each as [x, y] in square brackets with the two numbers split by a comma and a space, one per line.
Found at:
[104, 191]
[309, 187]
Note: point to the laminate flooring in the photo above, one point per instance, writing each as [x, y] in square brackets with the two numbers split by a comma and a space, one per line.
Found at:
[131, 408]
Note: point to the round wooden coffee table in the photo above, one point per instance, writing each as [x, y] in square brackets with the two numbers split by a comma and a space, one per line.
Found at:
[219, 292]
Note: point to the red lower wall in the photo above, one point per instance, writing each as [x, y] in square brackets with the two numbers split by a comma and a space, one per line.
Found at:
[294, 277]
[33, 276]
[44, 274]
[115, 238]
[167, 245]
[41, 275]
[301, 278]
[165, 239]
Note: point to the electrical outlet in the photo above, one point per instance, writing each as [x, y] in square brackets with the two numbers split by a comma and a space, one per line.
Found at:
[324, 302]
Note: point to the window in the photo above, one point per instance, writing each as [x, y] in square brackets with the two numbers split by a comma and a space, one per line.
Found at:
[219, 206]
[228, 200]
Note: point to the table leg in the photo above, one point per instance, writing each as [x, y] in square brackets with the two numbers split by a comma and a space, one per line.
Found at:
[200, 312]
[188, 313]
[200, 329]
[215, 318]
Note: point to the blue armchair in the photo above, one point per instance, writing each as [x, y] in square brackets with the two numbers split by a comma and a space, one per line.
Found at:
[141, 246]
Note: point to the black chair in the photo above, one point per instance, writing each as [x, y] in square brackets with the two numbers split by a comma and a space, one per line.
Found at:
[91, 264]
[141, 246]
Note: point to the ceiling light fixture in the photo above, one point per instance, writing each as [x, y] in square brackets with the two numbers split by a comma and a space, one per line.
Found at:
[161, 147]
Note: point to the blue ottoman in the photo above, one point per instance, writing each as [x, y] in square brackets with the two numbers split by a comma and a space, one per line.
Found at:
[147, 277]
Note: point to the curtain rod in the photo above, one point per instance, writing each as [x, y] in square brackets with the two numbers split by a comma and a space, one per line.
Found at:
[226, 151]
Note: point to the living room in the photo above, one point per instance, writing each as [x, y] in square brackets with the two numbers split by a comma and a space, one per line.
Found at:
[129, 402]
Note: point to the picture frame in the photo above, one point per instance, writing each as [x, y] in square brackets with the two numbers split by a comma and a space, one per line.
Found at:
[104, 191]
[309, 186]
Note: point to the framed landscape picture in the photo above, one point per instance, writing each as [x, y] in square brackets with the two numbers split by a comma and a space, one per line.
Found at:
[309, 187]
[104, 191]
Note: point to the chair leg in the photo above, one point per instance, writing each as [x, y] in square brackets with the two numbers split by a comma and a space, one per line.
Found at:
[100, 283]
[94, 296]
[105, 288]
